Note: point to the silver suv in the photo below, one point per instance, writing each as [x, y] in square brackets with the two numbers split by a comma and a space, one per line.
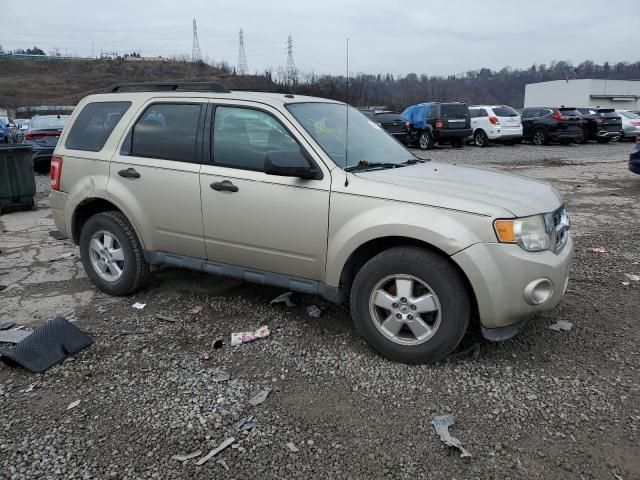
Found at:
[310, 195]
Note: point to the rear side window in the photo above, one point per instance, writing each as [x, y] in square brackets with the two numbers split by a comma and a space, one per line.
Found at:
[454, 110]
[545, 112]
[167, 131]
[608, 113]
[570, 112]
[504, 112]
[94, 124]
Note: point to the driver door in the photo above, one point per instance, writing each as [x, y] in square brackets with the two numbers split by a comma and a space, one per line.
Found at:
[271, 223]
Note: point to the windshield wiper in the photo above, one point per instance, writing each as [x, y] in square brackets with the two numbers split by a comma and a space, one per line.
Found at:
[413, 161]
[366, 166]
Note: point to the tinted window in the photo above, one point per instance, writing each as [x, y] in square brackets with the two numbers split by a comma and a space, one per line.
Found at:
[545, 112]
[54, 122]
[570, 112]
[242, 137]
[483, 113]
[93, 126]
[165, 130]
[474, 112]
[388, 117]
[454, 110]
[504, 112]
[607, 112]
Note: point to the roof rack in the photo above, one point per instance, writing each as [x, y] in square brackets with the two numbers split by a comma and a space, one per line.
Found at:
[168, 87]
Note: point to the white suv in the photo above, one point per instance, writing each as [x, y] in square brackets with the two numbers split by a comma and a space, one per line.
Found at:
[495, 123]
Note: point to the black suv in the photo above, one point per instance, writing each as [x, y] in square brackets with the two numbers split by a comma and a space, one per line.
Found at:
[601, 124]
[433, 122]
[394, 124]
[541, 125]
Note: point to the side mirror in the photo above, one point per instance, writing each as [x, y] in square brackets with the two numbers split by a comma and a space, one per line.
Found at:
[286, 163]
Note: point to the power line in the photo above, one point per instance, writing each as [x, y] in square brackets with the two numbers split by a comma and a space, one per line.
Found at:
[196, 55]
[243, 69]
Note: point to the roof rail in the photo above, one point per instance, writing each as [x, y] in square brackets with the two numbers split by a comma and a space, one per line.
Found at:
[168, 87]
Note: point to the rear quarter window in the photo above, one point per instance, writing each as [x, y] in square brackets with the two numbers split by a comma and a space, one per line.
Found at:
[94, 125]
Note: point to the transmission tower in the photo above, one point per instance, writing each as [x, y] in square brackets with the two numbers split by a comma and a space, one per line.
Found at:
[196, 56]
[290, 70]
[243, 69]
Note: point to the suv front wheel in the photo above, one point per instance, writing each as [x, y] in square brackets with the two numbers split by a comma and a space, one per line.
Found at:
[411, 305]
[112, 255]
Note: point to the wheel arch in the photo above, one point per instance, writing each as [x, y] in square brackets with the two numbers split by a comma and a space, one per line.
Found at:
[373, 247]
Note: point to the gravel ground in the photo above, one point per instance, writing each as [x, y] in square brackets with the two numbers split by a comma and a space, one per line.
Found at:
[545, 405]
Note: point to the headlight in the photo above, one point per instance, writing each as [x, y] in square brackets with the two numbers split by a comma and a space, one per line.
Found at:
[531, 233]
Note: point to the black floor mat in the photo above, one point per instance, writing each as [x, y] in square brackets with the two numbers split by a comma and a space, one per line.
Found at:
[47, 346]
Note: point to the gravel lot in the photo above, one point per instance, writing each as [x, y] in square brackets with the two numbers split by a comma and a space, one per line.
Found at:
[545, 405]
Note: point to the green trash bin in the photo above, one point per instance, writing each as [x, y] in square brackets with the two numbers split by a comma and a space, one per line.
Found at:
[17, 181]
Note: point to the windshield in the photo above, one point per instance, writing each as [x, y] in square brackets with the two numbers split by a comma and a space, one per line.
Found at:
[368, 142]
[45, 123]
[629, 115]
[504, 112]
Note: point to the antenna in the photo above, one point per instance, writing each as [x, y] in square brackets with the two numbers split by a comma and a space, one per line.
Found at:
[346, 138]
[196, 56]
[242, 69]
[290, 70]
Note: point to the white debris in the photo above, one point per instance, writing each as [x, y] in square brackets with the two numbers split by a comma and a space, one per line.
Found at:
[633, 277]
[561, 325]
[73, 404]
[532, 396]
[216, 450]
[284, 298]
[314, 311]
[30, 388]
[139, 306]
[442, 424]
[291, 446]
[238, 338]
[259, 397]
[187, 456]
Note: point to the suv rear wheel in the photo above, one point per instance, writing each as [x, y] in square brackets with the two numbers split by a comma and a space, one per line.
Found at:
[425, 141]
[540, 137]
[112, 255]
[411, 305]
[480, 138]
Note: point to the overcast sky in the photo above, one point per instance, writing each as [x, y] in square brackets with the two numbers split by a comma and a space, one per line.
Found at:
[385, 36]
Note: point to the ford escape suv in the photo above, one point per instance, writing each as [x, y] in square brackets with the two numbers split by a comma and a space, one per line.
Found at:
[275, 189]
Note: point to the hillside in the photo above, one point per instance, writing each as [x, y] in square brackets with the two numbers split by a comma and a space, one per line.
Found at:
[32, 82]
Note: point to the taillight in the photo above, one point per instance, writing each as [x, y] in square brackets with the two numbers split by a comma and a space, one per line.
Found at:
[438, 123]
[635, 123]
[559, 116]
[408, 126]
[494, 120]
[56, 172]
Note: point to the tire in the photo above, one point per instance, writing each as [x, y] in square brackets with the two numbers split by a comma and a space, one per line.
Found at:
[425, 140]
[430, 274]
[539, 137]
[134, 268]
[480, 138]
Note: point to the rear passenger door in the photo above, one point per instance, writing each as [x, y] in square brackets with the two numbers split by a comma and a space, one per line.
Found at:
[265, 222]
[154, 177]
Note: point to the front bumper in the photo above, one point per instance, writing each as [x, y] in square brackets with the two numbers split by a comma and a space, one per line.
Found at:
[501, 276]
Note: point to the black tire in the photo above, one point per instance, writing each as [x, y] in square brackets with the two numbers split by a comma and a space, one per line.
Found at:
[457, 143]
[480, 138]
[425, 140]
[443, 279]
[539, 137]
[135, 270]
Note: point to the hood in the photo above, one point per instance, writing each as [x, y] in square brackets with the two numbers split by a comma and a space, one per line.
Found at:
[470, 189]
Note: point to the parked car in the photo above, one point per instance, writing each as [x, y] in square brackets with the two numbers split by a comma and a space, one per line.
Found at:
[22, 124]
[630, 124]
[393, 123]
[418, 249]
[441, 123]
[8, 130]
[542, 125]
[601, 124]
[634, 158]
[42, 135]
[495, 123]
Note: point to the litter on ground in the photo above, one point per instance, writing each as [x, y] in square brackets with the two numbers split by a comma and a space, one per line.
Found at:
[216, 450]
[284, 298]
[239, 338]
[187, 456]
[73, 404]
[314, 311]
[139, 306]
[441, 424]
[197, 310]
[244, 424]
[633, 277]
[291, 446]
[561, 325]
[598, 250]
[30, 388]
[259, 397]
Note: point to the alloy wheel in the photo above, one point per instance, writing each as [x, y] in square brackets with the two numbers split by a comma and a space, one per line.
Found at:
[107, 256]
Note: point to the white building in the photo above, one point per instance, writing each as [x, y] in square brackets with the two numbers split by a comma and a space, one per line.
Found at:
[620, 94]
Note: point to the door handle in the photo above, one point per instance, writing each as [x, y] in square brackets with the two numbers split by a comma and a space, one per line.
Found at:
[225, 186]
[129, 173]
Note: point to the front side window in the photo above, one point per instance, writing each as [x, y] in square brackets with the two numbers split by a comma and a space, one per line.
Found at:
[242, 138]
[366, 143]
[93, 126]
[167, 131]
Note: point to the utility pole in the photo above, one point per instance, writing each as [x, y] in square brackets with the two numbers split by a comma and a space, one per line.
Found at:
[290, 70]
[196, 55]
[242, 69]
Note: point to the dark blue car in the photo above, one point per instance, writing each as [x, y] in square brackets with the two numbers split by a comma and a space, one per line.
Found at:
[634, 158]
